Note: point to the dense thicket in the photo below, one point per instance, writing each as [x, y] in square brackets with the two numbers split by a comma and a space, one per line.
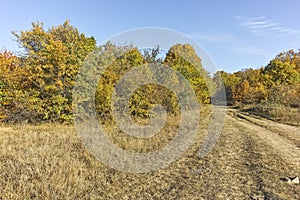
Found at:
[278, 82]
[272, 91]
[37, 84]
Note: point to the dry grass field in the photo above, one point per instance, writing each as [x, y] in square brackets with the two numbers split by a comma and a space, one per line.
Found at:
[251, 156]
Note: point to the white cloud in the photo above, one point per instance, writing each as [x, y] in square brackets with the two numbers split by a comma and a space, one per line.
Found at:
[265, 26]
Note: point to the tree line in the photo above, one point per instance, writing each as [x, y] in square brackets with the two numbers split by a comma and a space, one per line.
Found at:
[36, 84]
[278, 82]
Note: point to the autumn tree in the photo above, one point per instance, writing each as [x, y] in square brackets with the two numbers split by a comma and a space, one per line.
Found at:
[51, 60]
[278, 82]
[151, 55]
[251, 88]
[280, 73]
[144, 97]
[122, 60]
[184, 59]
[282, 78]
[11, 78]
[229, 81]
[291, 56]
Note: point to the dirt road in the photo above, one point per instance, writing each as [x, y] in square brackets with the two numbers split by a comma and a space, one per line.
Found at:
[282, 138]
[257, 153]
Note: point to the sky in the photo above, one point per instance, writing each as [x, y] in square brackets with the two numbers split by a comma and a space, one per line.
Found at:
[235, 34]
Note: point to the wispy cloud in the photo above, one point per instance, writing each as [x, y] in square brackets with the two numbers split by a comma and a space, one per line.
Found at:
[264, 26]
[229, 42]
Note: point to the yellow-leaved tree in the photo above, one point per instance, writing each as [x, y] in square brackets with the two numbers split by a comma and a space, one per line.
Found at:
[51, 59]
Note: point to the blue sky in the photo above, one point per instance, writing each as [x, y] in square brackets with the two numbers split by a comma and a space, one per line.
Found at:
[236, 34]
